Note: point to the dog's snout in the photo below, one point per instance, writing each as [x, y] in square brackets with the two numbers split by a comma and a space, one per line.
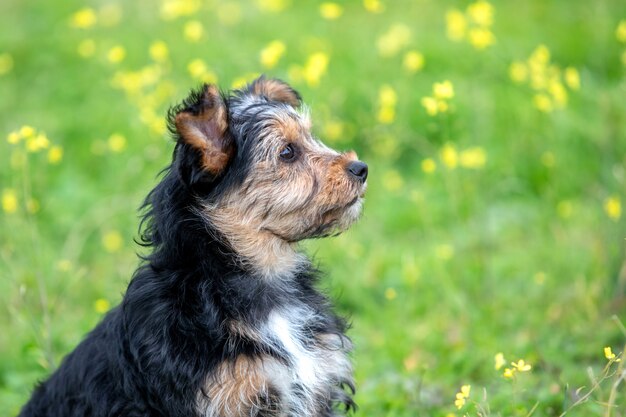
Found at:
[358, 170]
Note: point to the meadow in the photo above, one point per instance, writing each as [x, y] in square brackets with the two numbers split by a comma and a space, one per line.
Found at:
[487, 276]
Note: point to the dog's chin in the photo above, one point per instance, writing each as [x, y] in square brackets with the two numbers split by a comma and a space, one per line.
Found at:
[338, 220]
[329, 223]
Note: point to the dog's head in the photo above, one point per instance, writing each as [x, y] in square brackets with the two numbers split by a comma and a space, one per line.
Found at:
[256, 169]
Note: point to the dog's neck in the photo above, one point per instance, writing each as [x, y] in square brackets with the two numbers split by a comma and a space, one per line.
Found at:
[257, 249]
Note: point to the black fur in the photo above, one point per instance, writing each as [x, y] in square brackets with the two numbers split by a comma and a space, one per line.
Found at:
[151, 354]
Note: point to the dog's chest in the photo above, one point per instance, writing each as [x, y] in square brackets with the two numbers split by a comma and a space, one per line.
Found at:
[316, 363]
[301, 374]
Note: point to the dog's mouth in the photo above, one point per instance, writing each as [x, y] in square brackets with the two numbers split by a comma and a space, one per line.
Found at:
[331, 222]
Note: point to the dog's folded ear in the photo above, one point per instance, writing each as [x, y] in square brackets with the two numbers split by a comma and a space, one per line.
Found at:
[275, 90]
[200, 124]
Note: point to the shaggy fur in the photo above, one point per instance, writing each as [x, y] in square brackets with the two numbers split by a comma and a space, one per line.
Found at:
[223, 317]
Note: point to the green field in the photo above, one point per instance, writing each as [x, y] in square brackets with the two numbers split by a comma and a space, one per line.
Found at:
[496, 139]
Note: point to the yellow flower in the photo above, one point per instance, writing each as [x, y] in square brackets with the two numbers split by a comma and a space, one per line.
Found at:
[14, 137]
[620, 32]
[373, 6]
[197, 68]
[241, 82]
[558, 93]
[509, 373]
[193, 31]
[428, 165]
[540, 56]
[443, 90]
[199, 71]
[430, 104]
[413, 61]
[456, 25]
[27, 132]
[499, 361]
[315, 68]
[572, 78]
[172, 9]
[116, 54]
[159, 51]
[481, 12]
[538, 78]
[386, 115]
[390, 294]
[387, 96]
[112, 241]
[6, 63]
[9, 200]
[387, 99]
[473, 158]
[86, 48]
[391, 42]
[101, 306]
[330, 11]
[55, 154]
[449, 156]
[481, 38]
[116, 142]
[459, 402]
[608, 353]
[83, 18]
[333, 130]
[543, 103]
[462, 395]
[613, 207]
[37, 143]
[518, 72]
[273, 6]
[521, 366]
[271, 54]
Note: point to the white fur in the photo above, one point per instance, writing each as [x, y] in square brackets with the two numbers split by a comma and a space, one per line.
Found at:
[316, 369]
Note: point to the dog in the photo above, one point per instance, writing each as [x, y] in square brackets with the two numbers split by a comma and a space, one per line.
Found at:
[223, 318]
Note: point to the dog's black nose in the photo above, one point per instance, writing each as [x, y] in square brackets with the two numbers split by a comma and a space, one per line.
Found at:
[358, 169]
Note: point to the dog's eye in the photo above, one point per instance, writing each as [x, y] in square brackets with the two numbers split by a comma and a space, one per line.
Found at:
[288, 153]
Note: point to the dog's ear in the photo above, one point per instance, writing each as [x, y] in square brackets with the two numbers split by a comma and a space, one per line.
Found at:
[275, 90]
[201, 124]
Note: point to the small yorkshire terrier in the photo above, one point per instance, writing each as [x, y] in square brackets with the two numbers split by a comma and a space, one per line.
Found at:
[223, 318]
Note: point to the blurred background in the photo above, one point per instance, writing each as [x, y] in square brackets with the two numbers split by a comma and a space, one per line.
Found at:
[487, 275]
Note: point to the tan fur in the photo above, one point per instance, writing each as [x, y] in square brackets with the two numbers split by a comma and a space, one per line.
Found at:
[240, 388]
[290, 130]
[205, 131]
[282, 203]
[276, 91]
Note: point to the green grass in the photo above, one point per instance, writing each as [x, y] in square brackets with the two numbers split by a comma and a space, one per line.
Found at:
[444, 270]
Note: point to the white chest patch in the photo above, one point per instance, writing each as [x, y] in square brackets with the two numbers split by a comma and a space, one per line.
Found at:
[314, 369]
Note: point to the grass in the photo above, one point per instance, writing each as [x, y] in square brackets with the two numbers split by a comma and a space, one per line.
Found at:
[521, 253]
